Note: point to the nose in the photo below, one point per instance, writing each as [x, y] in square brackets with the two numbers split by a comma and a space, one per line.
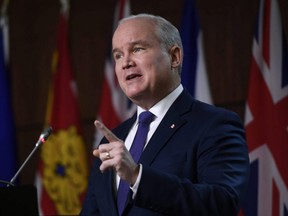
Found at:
[128, 63]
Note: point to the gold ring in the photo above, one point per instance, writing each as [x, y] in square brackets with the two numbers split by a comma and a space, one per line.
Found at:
[107, 155]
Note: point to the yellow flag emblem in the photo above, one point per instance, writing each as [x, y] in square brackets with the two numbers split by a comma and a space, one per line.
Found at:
[65, 172]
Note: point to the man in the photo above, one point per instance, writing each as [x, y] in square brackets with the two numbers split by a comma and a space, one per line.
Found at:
[195, 159]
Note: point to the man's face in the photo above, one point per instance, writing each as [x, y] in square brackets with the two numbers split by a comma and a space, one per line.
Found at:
[142, 66]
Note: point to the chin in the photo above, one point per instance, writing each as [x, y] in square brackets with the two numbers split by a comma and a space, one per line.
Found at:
[133, 93]
[135, 97]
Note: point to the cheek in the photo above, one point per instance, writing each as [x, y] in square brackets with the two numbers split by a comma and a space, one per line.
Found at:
[117, 71]
[160, 67]
[162, 62]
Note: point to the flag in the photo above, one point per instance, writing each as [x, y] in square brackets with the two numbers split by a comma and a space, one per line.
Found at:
[194, 74]
[8, 154]
[114, 107]
[62, 176]
[266, 117]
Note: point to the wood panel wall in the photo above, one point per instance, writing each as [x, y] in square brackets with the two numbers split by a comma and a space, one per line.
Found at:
[227, 28]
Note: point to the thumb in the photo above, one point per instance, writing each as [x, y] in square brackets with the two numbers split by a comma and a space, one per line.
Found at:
[96, 153]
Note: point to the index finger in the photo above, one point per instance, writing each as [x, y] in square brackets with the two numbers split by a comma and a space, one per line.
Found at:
[111, 137]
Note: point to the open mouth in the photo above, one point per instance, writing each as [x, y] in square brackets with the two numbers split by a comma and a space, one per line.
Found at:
[132, 76]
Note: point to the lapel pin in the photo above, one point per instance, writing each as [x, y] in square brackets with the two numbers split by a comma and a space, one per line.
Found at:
[172, 126]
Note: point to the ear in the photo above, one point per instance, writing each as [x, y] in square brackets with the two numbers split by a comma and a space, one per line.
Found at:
[176, 56]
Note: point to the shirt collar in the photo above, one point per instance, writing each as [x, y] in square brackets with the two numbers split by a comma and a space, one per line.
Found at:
[160, 108]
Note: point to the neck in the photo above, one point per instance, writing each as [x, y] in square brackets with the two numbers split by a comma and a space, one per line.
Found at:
[147, 102]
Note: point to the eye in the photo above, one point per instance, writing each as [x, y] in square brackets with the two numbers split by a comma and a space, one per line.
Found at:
[137, 49]
[117, 55]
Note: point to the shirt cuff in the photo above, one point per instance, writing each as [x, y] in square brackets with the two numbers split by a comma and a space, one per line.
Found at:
[134, 187]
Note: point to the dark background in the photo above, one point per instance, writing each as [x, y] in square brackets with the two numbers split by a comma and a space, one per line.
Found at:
[227, 25]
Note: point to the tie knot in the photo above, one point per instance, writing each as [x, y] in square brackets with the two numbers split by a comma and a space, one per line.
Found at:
[146, 117]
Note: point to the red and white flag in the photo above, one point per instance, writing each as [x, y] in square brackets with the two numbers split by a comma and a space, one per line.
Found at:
[267, 116]
[115, 107]
[62, 175]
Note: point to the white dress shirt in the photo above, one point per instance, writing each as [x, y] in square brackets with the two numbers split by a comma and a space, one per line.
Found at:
[159, 110]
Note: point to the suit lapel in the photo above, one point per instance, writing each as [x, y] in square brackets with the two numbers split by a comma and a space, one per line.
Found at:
[172, 121]
[122, 132]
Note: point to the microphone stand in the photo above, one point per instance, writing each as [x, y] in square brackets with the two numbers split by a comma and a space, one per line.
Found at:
[43, 137]
[22, 166]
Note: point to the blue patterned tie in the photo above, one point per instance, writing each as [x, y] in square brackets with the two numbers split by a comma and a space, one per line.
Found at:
[145, 118]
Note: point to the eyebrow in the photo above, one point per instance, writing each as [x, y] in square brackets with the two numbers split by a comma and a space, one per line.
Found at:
[132, 44]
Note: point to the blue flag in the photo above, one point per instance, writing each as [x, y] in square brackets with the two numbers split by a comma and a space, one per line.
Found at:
[194, 75]
[7, 133]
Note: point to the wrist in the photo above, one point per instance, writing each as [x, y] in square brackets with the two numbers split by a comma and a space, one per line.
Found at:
[135, 175]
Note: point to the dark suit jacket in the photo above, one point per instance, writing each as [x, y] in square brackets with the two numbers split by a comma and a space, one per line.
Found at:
[198, 166]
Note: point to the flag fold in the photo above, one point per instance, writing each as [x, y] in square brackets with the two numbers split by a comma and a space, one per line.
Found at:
[63, 172]
[266, 117]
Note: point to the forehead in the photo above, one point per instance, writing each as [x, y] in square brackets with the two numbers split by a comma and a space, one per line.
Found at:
[138, 29]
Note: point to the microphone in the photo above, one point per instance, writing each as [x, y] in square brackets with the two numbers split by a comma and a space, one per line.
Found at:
[42, 139]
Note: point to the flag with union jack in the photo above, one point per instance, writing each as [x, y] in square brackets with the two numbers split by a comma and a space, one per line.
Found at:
[266, 116]
[115, 107]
